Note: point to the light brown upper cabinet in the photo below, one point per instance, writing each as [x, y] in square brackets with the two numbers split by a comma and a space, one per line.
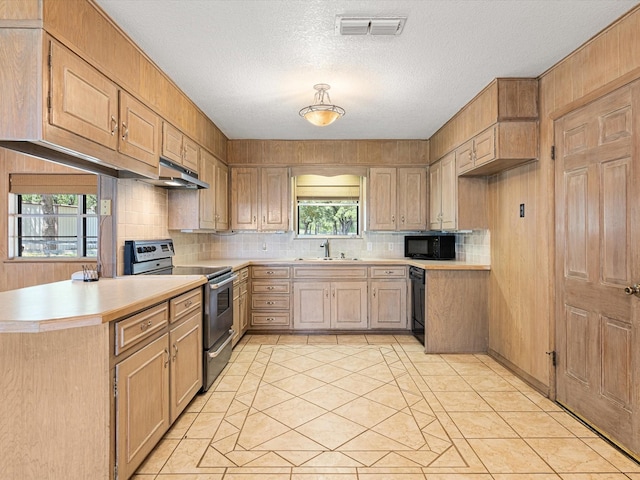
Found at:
[179, 148]
[443, 194]
[495, 131]
[456, 203]
[260, 199]
[397, 199]
[202, 209]
[500, 147]
[86, 103]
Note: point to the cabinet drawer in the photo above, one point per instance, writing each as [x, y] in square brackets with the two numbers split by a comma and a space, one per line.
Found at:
[243, 275]
[243, 288]
[264, 319]
[270, 272]
[136, 328]
[330, 272]
[185, 304]
[270, 302]
[388, 272]
[270, 287]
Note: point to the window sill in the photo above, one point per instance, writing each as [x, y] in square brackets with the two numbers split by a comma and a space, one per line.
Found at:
[50, 260]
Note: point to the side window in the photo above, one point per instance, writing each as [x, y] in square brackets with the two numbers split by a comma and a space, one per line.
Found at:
[53, 216]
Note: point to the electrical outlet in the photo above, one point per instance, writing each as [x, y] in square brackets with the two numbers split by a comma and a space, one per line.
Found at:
[390, 246]
[105, 207]
[369, 246]
[522, 210]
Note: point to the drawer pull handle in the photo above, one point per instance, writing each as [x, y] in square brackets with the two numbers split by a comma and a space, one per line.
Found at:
[270, 272]
[388, 272]
[144, 326]
[114, 125]
[175, 351]
[270, 319]
[166, 362]
[271, 303]
[374, 293]
[270, 287]
[188, 303]
[125, 131]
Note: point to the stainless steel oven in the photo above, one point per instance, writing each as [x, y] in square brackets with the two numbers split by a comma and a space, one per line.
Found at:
[154, 257]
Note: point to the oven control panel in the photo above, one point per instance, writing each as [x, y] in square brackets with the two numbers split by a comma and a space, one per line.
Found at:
[138, 251]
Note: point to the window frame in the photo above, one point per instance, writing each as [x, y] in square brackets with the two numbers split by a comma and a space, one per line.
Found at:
[16, 216]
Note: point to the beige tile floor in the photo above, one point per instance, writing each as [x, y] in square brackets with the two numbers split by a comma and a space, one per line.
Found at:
[374, 407]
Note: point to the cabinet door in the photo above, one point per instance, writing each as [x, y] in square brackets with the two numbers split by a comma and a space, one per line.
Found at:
[464, 157]
[349, 305]
[190, 154]
[139, 131]
[142, 404]
[389, 304]
[186, 362]
[484, 147]
[449, 189]
[222, 196]
[412, 199]
[382, 199]
[209, 195]
[244, 310]
[311, 305]
[435, 196]
[83, 101]
[244, 198]
[274, 199]
[171, 143]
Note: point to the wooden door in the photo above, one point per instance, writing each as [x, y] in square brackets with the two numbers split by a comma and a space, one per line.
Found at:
[412, 198]
[207, 197]
[464, 156]
[484, 147]
[186, 362]
[389, 304]
[171, 143]
[349, 305]
[190, 154]
[222, 196]
[311, 305]
[274, 199]
[449, 190]
[83, 101]
[244, 198]
[139, 131]
[597, 256]
[382, 199]
[142, 404]
[435, 195]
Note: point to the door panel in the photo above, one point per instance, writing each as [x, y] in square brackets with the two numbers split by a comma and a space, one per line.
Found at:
[597, 255]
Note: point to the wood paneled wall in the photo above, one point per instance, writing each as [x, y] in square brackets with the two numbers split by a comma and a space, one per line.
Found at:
[18, 274]
[328, 152]
[521, 292]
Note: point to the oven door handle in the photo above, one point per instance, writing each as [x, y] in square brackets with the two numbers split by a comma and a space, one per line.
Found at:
[232, 332]
[214, 286]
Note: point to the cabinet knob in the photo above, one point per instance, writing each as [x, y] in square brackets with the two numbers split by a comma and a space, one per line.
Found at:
[264, 219]
[254, 219]
[326, 293]
[374, 293]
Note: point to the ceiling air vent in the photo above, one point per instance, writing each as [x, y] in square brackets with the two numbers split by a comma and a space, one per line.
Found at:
[369, 25]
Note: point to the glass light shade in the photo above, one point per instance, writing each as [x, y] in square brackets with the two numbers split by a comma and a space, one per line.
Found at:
[320, 117]
[320, 113]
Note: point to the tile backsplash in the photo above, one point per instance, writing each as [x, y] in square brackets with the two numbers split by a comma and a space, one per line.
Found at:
[142, 211]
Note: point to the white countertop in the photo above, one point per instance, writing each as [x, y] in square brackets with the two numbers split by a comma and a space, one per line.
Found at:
[73, 303]
[238, 263]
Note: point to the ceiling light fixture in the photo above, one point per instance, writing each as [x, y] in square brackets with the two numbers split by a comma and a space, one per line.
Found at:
[320, 113]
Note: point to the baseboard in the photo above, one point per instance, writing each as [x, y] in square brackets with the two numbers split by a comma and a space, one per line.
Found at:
[524, 376]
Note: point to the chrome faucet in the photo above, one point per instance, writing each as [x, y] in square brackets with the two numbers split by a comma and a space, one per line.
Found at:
[325, 244]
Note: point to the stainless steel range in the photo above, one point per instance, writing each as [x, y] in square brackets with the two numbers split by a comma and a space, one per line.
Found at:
[155, 257]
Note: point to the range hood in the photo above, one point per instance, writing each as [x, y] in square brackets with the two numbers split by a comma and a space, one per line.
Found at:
[175, 176]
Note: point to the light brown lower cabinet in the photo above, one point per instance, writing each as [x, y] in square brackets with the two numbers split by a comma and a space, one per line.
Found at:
[335, 305]
[186, 363]
[389, 304]
[142, 404]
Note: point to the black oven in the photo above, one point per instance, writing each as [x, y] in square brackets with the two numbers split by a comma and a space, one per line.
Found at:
[154, 257]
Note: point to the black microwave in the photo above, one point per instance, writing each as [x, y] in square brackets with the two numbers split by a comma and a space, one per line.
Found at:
[430, 247]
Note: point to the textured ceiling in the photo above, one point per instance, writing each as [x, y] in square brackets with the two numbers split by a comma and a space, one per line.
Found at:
[250, 65]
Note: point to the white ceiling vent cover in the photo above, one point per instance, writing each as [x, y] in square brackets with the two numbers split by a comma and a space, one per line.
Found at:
[369, 25]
